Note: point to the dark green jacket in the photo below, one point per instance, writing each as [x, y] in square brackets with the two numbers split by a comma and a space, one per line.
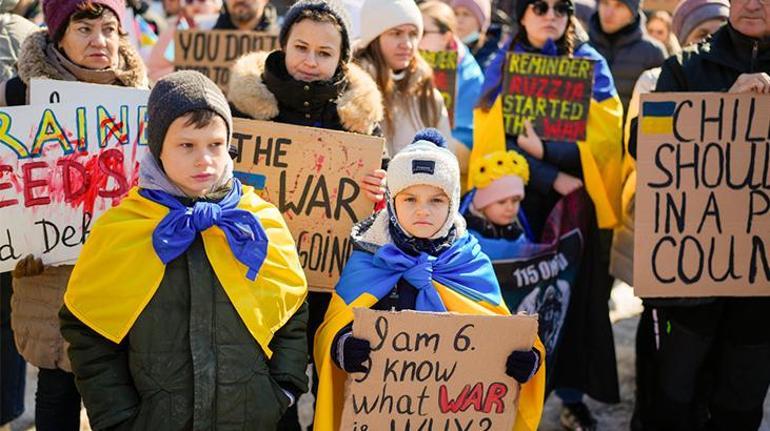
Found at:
[188, 362]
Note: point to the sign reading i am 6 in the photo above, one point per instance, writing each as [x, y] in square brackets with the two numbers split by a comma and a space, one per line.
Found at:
[703, 196]
[554, 93]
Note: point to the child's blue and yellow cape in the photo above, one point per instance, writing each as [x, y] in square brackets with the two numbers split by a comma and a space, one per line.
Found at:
[468, 286]
[601, 152]
[118, 271]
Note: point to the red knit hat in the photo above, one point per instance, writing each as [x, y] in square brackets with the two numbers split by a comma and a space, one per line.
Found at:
[57, 12]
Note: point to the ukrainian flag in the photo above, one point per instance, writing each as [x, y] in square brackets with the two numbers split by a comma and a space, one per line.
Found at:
[657, 118]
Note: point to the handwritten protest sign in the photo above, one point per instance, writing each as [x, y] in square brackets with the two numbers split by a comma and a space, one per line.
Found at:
[666, 5]
[444, 64]
[212, 52]
[703, 196]
[61, 166]
[436, 371]
[312, 176]
[554, 93]
[44, 91]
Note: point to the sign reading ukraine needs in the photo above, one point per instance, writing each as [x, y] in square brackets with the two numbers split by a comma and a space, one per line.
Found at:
[61, 166]
[554, 93]
[435, 371]
[444, 64]
[703, 195]
[312, 175]
[213, 52]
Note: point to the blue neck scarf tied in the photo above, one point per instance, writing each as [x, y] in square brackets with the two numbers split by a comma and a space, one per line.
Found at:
[178, 229]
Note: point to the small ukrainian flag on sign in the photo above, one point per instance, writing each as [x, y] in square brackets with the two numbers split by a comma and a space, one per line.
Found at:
[255, 180]
[657, 118]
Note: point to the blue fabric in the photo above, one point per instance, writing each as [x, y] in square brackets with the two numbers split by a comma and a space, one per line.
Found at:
[177, 231]
[604, 85]
[469, 82]
[499, 248]
[462, 268]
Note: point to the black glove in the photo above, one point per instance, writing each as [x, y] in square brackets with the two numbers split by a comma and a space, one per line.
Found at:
[522, 365]
[355, 353]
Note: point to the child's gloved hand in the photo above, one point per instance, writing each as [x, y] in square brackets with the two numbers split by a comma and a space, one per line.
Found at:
[28, 267]
[522, 365]
[355, 354]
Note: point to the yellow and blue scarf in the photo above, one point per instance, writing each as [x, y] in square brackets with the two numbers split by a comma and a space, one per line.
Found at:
[246, 241]
[460, 279]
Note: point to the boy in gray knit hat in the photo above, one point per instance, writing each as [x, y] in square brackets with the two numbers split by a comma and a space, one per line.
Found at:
[186, 309]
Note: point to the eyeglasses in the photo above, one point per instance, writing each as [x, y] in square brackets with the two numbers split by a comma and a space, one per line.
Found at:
[540, 8]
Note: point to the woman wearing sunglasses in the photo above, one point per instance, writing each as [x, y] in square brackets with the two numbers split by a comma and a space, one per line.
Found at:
[558, 169]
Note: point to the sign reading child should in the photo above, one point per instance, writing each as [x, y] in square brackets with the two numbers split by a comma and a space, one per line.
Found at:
[61, 166]
[213, 52]
[444, 64]
[435, 371]
[554, 93]
[312, 176]
[703, 196]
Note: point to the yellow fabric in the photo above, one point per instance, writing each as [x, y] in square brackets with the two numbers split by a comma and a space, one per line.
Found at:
[657, 125]
[600, 153]
[495, 165]
[331, 388]
[118, 271]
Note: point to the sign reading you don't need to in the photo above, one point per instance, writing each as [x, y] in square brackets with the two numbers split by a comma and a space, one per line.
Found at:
[312, 175]
[554, 93]
[703, 196]
[63, 165]
[435, 371]
[213, 52]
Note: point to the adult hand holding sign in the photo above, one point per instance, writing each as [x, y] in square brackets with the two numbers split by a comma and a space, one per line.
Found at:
[752, 82]
[373, 185]
[530, 142]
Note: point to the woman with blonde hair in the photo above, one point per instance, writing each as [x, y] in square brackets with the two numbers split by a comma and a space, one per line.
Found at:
[390, 33]
[660, 27]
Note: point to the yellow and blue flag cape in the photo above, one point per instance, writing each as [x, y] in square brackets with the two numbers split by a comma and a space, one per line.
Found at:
[601, 152]
[119, 271]
[460, 280]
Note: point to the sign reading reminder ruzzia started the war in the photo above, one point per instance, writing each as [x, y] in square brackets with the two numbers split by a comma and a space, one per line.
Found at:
[703, 195]
[554, 93]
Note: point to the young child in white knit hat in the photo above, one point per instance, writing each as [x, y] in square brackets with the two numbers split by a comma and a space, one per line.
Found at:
[407, 257]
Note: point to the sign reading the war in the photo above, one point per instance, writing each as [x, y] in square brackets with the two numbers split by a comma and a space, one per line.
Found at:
[312, 175]
[554, 93]
[703, 196]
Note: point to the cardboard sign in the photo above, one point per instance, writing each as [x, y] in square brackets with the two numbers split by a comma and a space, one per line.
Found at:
[554, 93]
[213, 52]
[45, 91]
[312, 176]
[444, 64]
[435, 371]
[655, 5]
[61, 166]
[703, 196]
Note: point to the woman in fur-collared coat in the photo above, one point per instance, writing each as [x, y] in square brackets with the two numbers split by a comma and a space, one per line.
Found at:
[310, 81]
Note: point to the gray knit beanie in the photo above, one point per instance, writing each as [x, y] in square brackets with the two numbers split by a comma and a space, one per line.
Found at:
[177, 94]
[331, 7]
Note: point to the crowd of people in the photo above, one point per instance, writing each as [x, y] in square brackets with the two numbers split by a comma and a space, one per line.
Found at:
[218, 328]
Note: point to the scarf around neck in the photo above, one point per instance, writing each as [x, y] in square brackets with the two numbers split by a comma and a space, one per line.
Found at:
[71, 71]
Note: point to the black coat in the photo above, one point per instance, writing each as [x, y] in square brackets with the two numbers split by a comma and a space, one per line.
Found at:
[629, 52]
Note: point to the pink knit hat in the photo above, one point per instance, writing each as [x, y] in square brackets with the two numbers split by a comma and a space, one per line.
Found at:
[505, 187]
[481, 9]
[57, 12]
